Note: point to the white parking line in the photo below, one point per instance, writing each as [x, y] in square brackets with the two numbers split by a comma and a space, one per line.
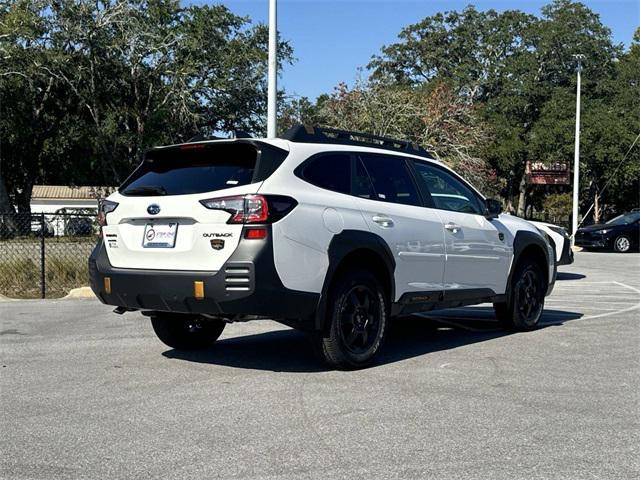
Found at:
[554, 302]
[617, 312]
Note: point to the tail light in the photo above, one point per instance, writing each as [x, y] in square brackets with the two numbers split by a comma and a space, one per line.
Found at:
[104, 207]
[252, 208]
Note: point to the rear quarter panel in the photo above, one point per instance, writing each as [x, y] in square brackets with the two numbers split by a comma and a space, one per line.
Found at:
[301, 239]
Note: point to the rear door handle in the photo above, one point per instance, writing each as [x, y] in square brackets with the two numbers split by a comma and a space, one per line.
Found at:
[452, 227]
[384, 222]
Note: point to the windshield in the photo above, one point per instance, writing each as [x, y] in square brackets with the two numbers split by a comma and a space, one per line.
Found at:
[624, 219]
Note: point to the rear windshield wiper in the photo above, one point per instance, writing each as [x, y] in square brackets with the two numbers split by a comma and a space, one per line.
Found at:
[145, 190]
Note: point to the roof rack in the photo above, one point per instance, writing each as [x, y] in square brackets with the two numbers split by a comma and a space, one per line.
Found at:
[309, 134]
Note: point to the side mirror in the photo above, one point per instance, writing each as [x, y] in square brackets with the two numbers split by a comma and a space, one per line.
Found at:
[494, 208]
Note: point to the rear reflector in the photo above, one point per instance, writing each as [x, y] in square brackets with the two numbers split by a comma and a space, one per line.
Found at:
[107, 285]
[255, 233]
[198, 290]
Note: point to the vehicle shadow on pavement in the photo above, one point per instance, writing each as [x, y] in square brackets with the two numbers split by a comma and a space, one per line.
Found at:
[291, 351]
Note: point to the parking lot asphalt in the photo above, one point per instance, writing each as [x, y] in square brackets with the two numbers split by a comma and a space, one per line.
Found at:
[89, 394]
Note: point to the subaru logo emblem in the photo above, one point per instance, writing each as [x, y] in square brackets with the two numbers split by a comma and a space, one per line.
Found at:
[153, 209]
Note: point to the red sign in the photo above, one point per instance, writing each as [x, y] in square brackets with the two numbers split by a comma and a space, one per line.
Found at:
[539, 173]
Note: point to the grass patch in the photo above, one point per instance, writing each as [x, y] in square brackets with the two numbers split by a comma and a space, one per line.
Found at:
[20, 278]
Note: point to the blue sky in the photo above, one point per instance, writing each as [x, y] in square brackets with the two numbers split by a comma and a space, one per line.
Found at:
[331, 39]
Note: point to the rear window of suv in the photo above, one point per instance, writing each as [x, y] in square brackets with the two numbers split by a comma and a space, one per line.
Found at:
[199, 168]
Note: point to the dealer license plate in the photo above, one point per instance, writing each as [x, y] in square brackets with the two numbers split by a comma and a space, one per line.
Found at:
[160, 235]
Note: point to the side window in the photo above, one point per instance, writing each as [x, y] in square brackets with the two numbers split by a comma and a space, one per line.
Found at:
[391, 180]
[332, 172]
[362, 186]
[447, 192]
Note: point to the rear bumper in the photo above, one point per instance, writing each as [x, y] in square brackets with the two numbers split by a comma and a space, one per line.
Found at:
[246, 285]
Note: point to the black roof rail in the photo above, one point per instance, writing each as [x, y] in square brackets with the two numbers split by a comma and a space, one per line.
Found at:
[312, 134]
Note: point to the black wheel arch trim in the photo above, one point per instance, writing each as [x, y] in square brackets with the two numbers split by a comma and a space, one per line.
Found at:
[524, 239]
[343, 244]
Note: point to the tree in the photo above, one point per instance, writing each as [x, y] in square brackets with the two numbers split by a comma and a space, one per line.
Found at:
[611, 125]
[436, 118]
[519, 71]
[115, 77]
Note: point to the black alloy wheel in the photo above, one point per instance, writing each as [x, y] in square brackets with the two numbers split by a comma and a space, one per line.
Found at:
[358, 315]
[529, 296]
[359, 319]
[525, 304]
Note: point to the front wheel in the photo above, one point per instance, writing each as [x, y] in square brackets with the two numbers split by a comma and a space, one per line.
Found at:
[622, 244]
[186, 332]
[358, 315]
[526, 300]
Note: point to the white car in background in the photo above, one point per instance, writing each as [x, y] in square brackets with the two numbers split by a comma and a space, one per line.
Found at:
[561, 241]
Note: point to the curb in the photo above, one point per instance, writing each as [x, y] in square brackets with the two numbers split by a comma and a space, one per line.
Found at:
[82, 292]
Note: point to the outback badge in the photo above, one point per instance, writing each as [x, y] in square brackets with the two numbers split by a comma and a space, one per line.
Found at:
[217, 244]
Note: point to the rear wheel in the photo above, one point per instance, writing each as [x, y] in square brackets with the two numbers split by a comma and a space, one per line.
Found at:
[526, 300]
[622, 244]
[358, 315]
[186, 332]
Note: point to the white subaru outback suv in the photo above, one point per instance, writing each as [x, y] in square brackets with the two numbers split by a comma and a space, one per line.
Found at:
[324, 230]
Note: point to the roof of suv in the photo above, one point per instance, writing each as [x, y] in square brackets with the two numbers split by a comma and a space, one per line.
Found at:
[325, 139]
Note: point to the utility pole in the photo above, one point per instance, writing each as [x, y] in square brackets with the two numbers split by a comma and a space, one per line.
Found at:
[273, 70]
[576, 156]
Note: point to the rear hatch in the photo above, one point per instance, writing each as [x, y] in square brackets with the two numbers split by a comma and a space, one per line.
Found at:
[159, 222]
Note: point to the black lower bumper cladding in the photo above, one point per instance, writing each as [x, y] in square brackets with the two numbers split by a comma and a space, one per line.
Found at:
[247, 284]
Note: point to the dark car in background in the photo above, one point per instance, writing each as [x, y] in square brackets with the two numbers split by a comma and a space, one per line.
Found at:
[79, 226]
[621, 234]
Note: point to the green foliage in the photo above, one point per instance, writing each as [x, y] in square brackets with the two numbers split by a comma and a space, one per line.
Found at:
[519, 71]
[20, 277]
[436, 118]
[556, 208]
[86, 87]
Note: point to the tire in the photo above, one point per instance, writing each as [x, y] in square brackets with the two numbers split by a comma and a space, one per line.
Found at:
[526, 299]
[622, 244]
[186, 332]
[358, 315]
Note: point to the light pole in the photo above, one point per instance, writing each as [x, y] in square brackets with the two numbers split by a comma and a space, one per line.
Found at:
[576, 156]
[273, 70]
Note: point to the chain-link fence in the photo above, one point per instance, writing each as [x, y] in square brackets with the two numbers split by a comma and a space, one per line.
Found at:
[44, 255]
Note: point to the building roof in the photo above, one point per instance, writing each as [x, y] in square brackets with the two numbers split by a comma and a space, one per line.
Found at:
[42, 192]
